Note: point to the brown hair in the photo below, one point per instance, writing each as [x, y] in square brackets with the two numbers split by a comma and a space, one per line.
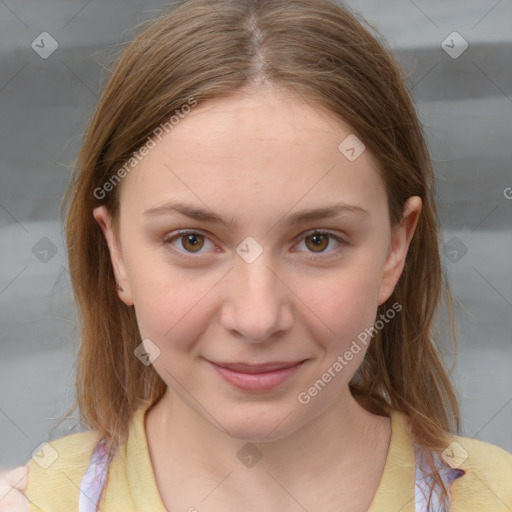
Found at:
[206, 49]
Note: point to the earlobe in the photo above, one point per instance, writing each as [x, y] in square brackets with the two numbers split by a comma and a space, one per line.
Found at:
[104, 219]
[400, 240]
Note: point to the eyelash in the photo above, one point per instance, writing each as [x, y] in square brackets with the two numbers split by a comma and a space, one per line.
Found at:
[167, 241]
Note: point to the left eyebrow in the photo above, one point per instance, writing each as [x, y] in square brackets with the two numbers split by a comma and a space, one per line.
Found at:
[327, 212]
[204, 215]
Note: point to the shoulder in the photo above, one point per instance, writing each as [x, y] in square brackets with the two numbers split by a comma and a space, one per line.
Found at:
[487, 479]
[56, 471]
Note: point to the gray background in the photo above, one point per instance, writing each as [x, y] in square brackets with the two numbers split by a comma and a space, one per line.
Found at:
[465, 104]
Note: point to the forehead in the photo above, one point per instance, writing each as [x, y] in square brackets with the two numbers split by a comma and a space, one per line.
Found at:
[267, 146]
[272, 116]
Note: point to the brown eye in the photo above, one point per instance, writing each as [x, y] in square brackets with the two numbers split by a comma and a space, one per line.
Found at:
[192, 243]
[321, 245]
[319, 242]
[187, 242]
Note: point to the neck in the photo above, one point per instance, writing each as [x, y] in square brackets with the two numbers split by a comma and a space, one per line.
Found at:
[331, 443]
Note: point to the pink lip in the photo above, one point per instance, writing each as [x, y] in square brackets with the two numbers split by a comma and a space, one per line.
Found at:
[263, 377]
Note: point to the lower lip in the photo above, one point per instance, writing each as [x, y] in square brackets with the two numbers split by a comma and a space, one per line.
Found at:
[257, 381]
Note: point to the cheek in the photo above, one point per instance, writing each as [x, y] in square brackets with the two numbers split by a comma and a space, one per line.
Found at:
[169, 302]
[344, 303]
[172, 311]
[173, 315]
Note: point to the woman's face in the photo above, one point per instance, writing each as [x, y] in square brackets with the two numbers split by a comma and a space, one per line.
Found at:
[248, 180]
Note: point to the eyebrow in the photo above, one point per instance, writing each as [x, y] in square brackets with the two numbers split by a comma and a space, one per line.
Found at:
[205, 215]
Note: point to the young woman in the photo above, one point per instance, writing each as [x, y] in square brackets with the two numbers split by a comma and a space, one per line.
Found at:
[253, 247]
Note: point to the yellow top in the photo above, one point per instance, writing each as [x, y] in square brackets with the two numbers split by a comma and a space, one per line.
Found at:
[485, 486]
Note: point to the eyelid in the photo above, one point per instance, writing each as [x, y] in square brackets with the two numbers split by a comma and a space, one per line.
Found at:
[321, 231]
[176, 235]
[333, 235]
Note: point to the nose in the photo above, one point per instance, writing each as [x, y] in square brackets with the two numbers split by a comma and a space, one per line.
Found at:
[257, 304]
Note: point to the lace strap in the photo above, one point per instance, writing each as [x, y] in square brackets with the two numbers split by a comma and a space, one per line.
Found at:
[94, 479]
[426, 486]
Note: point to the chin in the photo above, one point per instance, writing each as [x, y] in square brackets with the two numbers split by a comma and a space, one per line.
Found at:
[258, 426]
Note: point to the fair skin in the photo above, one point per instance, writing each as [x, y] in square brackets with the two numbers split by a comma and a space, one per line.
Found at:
[12, 485]
[257, 158]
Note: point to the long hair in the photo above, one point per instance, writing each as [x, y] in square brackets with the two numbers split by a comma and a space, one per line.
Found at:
[208, 49]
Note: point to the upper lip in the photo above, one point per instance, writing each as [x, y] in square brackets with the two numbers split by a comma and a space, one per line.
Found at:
[258, 368]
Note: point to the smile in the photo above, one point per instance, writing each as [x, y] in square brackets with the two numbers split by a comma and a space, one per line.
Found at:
[256, 378]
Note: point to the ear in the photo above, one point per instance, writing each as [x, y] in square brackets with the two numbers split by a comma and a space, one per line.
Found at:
[103, 218]
[401, 237]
